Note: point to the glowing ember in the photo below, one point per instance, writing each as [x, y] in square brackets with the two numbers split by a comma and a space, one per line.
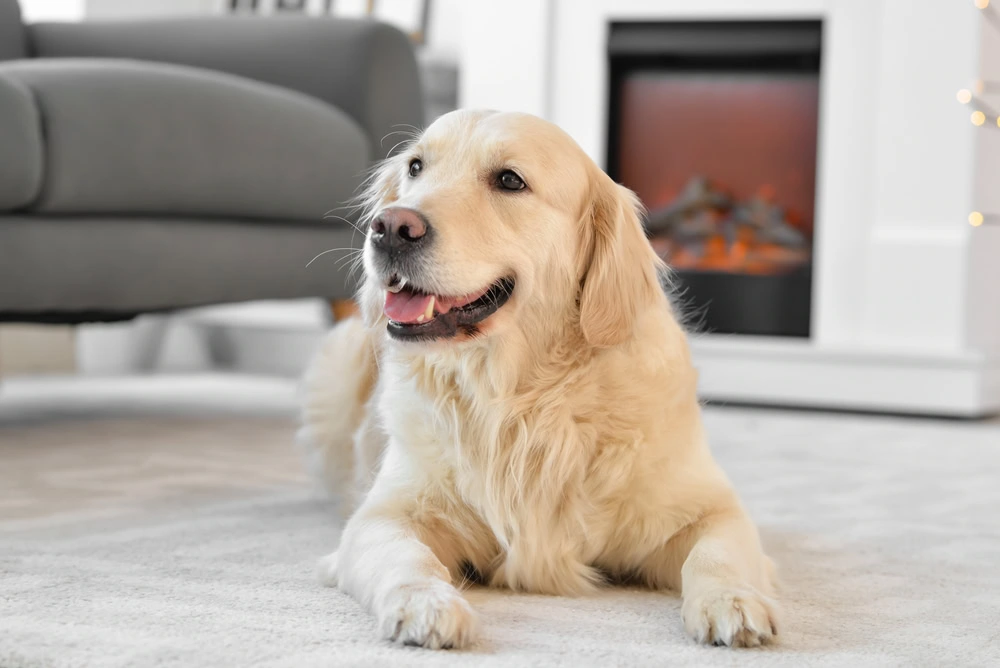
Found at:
[704, 228]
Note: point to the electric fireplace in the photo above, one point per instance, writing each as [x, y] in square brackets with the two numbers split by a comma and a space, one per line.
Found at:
[899, 283]
[714, 125]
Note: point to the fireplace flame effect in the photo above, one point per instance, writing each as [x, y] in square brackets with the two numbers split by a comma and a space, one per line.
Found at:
[706, 229]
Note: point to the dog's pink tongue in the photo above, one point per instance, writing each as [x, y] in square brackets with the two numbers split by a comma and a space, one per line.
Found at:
[405, 307]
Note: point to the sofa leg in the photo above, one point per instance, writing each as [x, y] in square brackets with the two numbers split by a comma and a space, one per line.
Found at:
[148, 337]
[341, 309]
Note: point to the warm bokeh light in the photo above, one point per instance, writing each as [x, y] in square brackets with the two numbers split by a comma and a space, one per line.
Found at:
[964, 96]
[982, 4]
[975, 219]
[979, 86]
[978, 118]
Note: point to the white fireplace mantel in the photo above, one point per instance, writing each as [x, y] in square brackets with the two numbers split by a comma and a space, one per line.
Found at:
[906, 295]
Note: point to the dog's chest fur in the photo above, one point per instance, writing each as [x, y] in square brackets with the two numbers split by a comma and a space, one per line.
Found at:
[543, 472]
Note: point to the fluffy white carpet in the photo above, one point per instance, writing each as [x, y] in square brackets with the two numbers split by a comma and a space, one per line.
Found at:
[139, 553]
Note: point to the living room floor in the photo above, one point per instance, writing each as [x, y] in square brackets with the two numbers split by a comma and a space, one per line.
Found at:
[167, 521]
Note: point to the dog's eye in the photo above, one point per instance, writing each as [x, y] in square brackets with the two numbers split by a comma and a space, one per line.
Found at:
[415, 167]
[510, 181]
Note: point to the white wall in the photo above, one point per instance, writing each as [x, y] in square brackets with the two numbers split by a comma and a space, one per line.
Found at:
[444, 34]
[126, 9]
[444, 30]
[52, 10]
[505, 56]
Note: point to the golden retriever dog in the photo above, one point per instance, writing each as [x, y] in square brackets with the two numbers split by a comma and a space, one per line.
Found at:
[518, 401]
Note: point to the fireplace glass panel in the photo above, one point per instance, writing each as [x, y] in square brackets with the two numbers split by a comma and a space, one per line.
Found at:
[714, 126]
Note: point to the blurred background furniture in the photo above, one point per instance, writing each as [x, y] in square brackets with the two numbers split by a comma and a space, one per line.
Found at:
[431, 25]
[156, 165]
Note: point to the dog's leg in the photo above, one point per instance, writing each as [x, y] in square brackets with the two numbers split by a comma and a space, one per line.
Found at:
[725, 579]
[337, 391]
[386, 562]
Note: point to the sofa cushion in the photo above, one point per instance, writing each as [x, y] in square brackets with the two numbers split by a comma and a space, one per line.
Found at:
[12, 38]
[125, 265]
[20, 146]
[128, 137]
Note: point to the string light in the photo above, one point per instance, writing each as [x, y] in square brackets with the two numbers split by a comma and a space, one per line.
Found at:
[984, 86]
[989, 12]
[976, 218]
[982, 110]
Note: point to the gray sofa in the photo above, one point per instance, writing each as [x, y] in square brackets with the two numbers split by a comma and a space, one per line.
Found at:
[149, 166]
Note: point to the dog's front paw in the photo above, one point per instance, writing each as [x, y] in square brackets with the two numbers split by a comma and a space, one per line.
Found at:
[431, 615]
[737, 617]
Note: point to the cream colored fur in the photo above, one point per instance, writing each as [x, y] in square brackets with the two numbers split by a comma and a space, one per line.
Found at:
[561, 447]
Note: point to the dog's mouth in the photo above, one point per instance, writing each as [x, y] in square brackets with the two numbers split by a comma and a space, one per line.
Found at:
[416, 315]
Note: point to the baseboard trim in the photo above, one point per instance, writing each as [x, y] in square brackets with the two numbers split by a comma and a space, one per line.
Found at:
[800, 374]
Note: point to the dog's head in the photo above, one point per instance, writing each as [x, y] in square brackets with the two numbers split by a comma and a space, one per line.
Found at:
[491, 221]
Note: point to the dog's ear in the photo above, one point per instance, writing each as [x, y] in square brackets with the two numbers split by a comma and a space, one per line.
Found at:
[620, 277]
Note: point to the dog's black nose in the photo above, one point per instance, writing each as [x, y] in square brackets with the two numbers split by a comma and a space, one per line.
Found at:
[398, 229]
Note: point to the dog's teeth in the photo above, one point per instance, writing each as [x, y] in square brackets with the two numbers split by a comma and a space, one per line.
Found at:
[429, 312]
[394, 288]
[402, 283]
[421, 318]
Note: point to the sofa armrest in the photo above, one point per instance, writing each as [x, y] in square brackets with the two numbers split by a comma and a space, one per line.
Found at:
[125, 137]
[366, 69]
[12, 42]
[22, 145]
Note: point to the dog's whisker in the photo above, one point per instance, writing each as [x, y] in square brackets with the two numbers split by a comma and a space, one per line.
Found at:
[356, 265]
[410, 134]
[398, 144]
[356, 226]
[344, 261]
[413, 130]
[353, 263]
[331, 250]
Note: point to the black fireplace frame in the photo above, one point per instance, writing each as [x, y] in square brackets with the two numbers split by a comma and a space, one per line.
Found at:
[762, 305]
